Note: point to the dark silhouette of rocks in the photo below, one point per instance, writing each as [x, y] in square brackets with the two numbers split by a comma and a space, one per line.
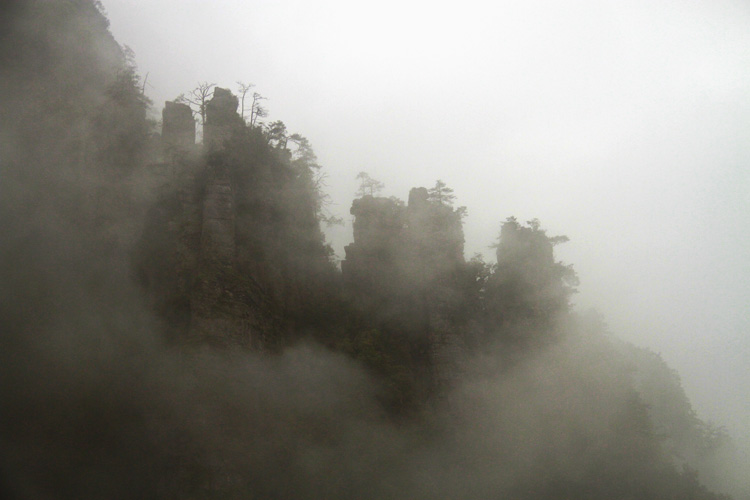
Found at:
[178, 126]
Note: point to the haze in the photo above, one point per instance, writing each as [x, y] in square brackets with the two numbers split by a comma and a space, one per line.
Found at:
[624, 125]
[175, 324]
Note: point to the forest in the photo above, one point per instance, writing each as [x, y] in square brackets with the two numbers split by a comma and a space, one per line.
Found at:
[175, 325]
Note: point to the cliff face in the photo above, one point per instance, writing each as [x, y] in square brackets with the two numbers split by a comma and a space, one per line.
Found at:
[178, 126]
[399, 247]
[405, 269]
[232, 254]
[221, 118]
[190, 270]
[529, 290]
[372, 267]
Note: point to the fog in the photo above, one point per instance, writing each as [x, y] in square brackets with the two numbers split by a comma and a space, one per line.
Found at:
[622, 125]
[141, 358]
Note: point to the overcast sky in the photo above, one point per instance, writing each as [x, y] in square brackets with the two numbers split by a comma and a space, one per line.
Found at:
[623, 124]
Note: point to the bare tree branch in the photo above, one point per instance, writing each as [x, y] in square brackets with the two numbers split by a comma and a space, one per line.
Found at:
[243, 89]
[197, 99]
[257, 111]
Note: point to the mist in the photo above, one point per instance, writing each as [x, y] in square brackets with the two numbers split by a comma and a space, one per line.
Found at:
[622, 126]
[152, 349]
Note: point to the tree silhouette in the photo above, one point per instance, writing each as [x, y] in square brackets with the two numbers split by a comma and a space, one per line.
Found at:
[242, 90]
[368, 185]
[197, 99]
[441, 194]
[277, 134]
[257, 110]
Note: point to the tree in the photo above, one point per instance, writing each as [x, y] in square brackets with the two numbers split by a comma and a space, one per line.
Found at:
[441, 194]
[242, 90]
[257, 110]
[368, 185]
[197, 99]
[277, 134]
[303, 156]
[323, 201]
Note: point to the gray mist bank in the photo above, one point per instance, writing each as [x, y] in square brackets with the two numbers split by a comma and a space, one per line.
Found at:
[95, 402]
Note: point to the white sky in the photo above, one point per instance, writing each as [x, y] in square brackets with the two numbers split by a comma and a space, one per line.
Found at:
[623, 124]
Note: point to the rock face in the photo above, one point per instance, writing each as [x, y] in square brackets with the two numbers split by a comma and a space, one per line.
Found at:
[178, 126]
[192, 272]
[371, 260]
[221, 117]
[221, 313]
[217, 231]
[404, 267]
[397, 246]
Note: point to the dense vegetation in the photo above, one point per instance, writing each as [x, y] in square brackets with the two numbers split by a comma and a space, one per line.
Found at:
[140, 358]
